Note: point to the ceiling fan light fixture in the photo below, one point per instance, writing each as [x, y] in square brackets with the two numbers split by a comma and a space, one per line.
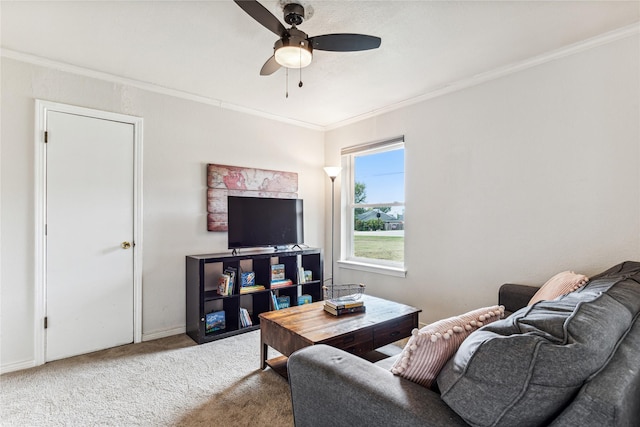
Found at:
[293, 56]
[293, 50]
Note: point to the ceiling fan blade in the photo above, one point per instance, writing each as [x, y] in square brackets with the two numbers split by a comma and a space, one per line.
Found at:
[270, 67]
[345, 42]
[262, 15]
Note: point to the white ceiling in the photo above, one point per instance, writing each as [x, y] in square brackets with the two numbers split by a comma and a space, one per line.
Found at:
[213, 49]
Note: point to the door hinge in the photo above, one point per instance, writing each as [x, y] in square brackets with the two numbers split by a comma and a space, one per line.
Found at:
[46, 322]
[46, 136]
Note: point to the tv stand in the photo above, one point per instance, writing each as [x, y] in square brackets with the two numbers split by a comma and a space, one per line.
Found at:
[203, 272]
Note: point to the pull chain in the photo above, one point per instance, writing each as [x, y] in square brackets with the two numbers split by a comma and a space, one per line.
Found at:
[286, 89]
[300, 66]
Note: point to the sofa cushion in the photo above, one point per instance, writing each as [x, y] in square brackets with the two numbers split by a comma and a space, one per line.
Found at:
[558, 285]
[612, 397]
[524, 370]
[429, 348]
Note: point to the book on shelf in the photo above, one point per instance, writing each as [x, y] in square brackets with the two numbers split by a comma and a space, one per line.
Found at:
[249, 289]
[248, 278]
[283, 301]
[214, 321]
[245, 318]
[344, 303]
[232, 273]
[341, 311]
[281, 283]
[308, 276]
[277, 272]
[223, 284]
[301, 275]
[304, 299]
[274, 301]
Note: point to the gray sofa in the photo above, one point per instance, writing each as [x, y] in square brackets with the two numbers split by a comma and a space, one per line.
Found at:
[574, 361]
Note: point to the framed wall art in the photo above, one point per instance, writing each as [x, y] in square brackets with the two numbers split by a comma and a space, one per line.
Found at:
[223, 181]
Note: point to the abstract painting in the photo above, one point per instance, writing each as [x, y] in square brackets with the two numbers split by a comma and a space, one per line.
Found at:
[223, 181]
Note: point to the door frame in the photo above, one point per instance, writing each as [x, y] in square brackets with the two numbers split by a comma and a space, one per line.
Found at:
[40, 203]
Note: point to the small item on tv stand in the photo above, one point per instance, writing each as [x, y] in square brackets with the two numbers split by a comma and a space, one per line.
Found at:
[250, 289]
[215, 321]
[277, 272]
[223, 284]
[245, 318]
[248, 278]
[283, 301]
[304, 299]
[281, 283]
[232, 273]
[308, 276]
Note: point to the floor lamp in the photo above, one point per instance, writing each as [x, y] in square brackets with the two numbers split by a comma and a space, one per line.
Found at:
[333, 172]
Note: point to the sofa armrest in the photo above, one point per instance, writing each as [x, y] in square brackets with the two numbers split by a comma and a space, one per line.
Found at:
[332, 387]
[514, 297]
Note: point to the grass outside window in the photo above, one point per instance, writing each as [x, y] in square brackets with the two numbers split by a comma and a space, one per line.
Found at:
[382, 247]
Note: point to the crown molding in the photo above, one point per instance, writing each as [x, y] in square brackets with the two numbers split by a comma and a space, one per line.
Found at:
[150, 87]
[572, 49]
[569, 50]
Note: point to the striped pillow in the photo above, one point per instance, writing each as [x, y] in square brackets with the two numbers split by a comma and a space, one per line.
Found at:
[429, 348]
[560, 284]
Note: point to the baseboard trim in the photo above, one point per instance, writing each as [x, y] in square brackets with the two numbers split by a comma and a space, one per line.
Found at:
[163, 334]
[17, 366]
[26, 364]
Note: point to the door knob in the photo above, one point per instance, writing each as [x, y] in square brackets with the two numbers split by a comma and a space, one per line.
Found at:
[125, 245]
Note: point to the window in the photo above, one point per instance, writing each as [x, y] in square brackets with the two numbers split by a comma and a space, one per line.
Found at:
[374, 192]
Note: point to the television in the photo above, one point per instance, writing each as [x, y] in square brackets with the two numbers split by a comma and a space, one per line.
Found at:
[262, 222]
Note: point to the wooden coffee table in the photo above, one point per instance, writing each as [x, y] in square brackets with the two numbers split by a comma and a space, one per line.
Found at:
[293, 328]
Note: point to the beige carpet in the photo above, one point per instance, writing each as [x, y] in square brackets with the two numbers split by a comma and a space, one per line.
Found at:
[166, 382]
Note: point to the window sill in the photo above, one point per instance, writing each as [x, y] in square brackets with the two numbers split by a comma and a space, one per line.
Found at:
[373, 268]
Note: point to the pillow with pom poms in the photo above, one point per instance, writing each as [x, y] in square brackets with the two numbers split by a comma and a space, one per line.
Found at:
[429, 348]
[560, 284]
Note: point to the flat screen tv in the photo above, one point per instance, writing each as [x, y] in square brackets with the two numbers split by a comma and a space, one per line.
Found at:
[262, 222]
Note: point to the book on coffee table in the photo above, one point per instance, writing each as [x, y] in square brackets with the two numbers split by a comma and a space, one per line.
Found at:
[340, 303]
[347, 310]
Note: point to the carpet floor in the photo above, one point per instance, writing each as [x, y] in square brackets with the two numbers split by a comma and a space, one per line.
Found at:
[166, 382]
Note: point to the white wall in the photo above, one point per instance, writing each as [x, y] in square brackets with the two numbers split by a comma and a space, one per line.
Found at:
[180, 138]
[514, 180]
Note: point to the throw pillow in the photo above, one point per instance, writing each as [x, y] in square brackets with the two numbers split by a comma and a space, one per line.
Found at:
[558, 285]
[429, 348]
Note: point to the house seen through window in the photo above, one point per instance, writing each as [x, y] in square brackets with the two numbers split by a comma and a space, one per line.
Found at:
[376, 204]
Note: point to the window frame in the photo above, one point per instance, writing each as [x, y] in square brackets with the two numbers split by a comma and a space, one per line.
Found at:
[348, 260]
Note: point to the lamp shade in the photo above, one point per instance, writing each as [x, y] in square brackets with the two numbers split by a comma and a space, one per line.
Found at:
[332, 171]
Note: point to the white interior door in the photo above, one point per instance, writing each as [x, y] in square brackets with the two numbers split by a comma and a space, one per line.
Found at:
[89, 216]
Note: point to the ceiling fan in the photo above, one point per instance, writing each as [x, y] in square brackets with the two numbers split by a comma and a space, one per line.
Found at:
[294, 48]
